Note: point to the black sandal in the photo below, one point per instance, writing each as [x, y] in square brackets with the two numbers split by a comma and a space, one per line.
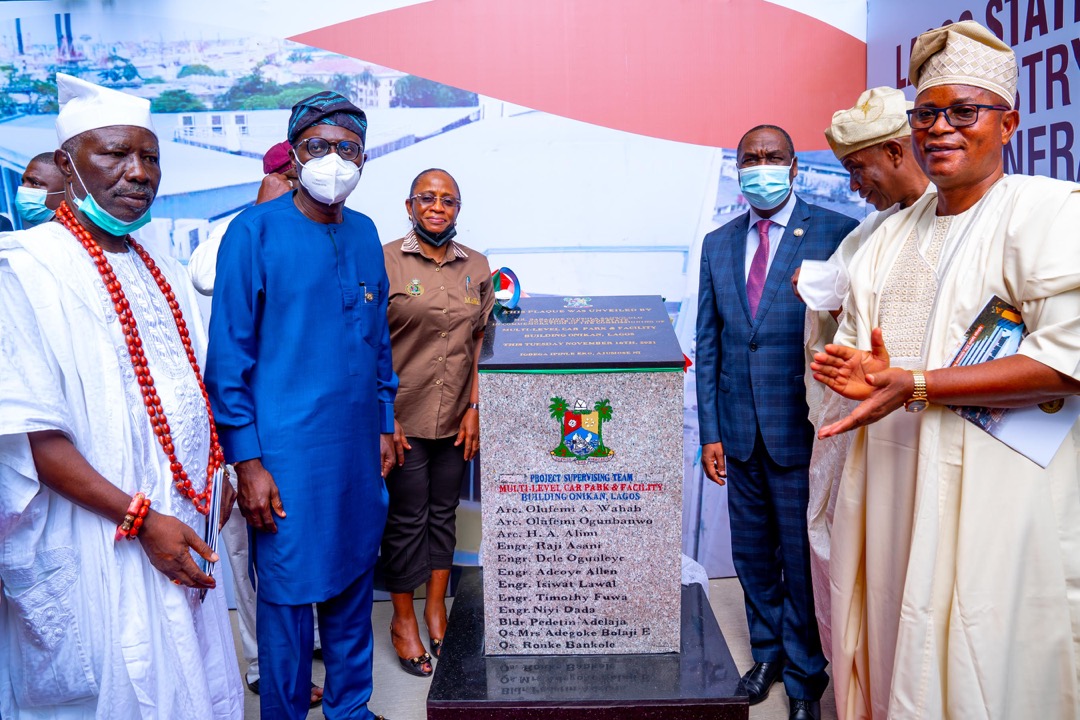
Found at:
[436, 646]
[415, 666]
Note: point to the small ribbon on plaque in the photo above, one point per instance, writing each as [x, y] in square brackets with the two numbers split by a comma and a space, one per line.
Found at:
[507, 288]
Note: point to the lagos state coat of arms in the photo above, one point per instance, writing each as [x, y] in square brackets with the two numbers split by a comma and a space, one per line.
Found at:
[581, 430]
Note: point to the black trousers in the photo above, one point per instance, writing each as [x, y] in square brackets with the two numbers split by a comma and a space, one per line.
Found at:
[421, 529]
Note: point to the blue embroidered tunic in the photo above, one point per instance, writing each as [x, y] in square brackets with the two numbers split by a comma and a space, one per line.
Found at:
[300, 375]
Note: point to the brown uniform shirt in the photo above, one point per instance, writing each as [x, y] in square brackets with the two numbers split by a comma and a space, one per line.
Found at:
[435, 311]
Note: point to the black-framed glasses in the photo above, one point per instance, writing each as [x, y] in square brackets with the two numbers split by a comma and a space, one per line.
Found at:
[427, 200]
[346, 149]
[963, 115]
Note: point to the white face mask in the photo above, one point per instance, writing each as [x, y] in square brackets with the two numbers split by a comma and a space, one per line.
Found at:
[823, 285]
[329, 179]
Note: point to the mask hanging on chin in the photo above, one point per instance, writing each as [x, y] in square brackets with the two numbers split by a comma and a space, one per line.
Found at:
[436, 239]
[765, 186]
[30, 203]
[101, 217]
[329, 179]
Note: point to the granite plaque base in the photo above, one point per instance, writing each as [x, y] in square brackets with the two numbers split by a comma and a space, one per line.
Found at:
[699, 682]
[581, 479]
[582, 555]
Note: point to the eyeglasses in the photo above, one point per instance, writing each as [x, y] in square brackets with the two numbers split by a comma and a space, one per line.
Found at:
[346, 149]
[427, 200]
[958, 116]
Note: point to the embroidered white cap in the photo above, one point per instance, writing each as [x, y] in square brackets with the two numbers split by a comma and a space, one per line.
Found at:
[964, 53]
[86, 106]
[879, 115]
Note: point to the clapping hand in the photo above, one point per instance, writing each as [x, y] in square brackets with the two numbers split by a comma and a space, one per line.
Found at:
[864, 376]
[844, 370]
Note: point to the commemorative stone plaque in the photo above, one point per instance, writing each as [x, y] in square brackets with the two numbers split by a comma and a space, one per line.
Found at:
[581, 478]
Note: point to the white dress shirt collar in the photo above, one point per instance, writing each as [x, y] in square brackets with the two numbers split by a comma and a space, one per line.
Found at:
[776, 232]
[782, 216]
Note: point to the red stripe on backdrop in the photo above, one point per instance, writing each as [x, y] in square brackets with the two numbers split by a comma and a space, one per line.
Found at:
[697, 71]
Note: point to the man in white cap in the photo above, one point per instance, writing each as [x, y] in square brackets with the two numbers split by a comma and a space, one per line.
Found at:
[989, 606]
[106, 437]
[872, 140]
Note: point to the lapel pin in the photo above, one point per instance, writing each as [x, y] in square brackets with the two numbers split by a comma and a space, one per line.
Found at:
[799, 232]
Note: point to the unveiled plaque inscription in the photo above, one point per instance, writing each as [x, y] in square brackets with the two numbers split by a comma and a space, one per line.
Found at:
[585, 333]
[582, 479]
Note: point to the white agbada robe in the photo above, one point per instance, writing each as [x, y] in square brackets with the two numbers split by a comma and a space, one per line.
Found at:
[826, 407]
[90, 628]
[202, 265]
[988, 606]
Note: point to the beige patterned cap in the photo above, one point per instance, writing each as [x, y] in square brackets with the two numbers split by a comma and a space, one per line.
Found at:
[879, 115]
[964, 53]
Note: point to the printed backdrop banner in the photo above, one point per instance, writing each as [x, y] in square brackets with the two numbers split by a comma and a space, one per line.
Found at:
[1046, 37]
[592, 139]
[699, 72]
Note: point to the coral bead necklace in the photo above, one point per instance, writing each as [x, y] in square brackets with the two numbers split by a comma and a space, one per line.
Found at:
[158, 421]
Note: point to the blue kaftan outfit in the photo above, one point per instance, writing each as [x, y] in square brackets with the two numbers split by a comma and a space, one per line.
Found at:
[299, 374]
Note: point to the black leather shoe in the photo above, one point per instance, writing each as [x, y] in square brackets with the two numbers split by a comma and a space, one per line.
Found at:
[760, 678]
[805, 710]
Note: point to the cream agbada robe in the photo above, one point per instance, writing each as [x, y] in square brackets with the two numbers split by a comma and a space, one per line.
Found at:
[826, 407]
[827, 458]
[88, 627]
[989, 619]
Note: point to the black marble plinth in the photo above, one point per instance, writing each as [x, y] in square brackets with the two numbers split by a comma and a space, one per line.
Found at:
[699, 682]
[629, 332]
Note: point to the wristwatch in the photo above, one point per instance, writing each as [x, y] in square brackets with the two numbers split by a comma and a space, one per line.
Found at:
[917, 402]
[473, 406]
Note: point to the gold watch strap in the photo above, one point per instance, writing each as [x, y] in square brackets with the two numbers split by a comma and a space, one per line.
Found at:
[919, 393]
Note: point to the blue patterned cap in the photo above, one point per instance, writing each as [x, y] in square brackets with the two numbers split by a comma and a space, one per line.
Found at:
[327, 108]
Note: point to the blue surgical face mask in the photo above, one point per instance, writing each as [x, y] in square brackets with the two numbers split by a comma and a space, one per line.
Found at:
[98, 215]
[765, 186]
[30, 202]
